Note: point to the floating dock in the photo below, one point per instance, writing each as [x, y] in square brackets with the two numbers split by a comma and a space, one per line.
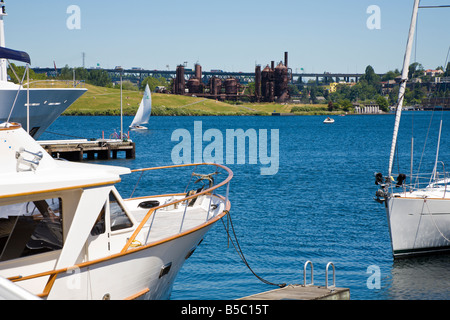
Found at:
[306, 291]
[300, 292]
[101, 149]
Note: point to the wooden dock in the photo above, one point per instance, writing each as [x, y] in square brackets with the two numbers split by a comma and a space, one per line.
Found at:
[101, 149]
[306, 291]
[300, 292]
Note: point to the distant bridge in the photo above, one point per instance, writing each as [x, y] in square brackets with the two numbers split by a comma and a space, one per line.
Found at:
[138, 75]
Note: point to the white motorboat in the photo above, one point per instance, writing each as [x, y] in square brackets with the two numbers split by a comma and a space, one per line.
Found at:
[45, 104]
[418, 215]
[66, 232]
[328, 120]
[144, 111]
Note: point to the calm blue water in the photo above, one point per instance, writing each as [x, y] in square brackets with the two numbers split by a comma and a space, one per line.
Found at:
[318, 206]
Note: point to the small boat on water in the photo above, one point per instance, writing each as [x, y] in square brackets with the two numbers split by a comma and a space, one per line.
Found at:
[143, 114]
[328, 120]
[66, 233]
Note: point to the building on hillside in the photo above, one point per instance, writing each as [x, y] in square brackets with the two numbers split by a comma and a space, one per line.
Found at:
[433, 73]
[370, 108]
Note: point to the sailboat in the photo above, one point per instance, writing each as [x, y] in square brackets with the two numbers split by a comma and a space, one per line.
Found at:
[418, 216]
[143, 114]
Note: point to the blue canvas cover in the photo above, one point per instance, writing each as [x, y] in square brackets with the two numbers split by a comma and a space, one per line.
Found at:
[6, 53]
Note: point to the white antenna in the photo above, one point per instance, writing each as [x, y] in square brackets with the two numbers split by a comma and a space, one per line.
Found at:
[3, 63]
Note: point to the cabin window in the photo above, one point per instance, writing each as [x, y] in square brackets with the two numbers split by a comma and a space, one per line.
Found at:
[100, 225]
[30, 228]
[118, 217]
[33, 131]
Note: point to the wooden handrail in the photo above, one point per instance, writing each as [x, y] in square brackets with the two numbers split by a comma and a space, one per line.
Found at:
[152, 210]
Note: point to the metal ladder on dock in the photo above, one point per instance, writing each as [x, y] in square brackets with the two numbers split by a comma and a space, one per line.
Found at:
[307, 291]
[312, 274]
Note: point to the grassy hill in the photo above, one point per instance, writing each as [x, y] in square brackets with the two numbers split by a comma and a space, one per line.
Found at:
[106, 101]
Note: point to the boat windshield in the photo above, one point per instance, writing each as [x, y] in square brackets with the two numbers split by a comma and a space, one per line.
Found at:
[30, 228]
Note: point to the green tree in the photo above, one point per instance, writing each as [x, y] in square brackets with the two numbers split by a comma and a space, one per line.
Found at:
[447, 71]
[415, 70]
[372, 80]
[382, 103]
[96, 77]
[331, 106]
[99, 77]
[347, 105]
[153, 83]
[20, 70]
[313, 95]
[370, 76]
[390, 75]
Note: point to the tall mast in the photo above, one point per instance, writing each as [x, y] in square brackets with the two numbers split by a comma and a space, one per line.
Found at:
[401, 92]
[3, 63]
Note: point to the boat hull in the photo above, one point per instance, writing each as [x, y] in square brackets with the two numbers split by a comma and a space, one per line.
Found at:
[46, 105]
[138, 128]
[134, 275]
[418, 225]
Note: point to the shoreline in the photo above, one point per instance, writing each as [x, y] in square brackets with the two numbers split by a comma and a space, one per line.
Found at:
[226, 115]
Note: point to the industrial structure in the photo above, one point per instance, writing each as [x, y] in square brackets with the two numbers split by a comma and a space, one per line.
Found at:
[214, 88]
[271, 84]
[137, 75]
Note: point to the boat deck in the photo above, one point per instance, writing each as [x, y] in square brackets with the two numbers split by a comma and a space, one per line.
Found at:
[169, 221]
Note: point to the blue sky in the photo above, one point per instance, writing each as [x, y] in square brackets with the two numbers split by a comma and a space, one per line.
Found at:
[320, 35]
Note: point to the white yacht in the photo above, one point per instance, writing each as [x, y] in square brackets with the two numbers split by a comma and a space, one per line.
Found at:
[45, 104]
[67, 234]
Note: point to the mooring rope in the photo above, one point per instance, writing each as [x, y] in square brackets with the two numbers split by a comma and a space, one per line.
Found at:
[241, 254]
[437, 228]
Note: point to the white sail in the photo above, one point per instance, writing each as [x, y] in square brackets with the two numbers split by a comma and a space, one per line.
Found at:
[145, 109]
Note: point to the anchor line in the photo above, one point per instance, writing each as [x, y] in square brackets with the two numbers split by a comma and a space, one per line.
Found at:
[241, 254]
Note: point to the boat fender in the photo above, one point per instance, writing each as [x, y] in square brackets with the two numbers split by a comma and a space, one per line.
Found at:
[378, 178]
[401, 177]
[148, 204]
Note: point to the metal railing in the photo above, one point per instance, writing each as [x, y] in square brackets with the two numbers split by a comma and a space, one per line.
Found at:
[423, 181]
[56, 84]
[153, 210]
[312, 275]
